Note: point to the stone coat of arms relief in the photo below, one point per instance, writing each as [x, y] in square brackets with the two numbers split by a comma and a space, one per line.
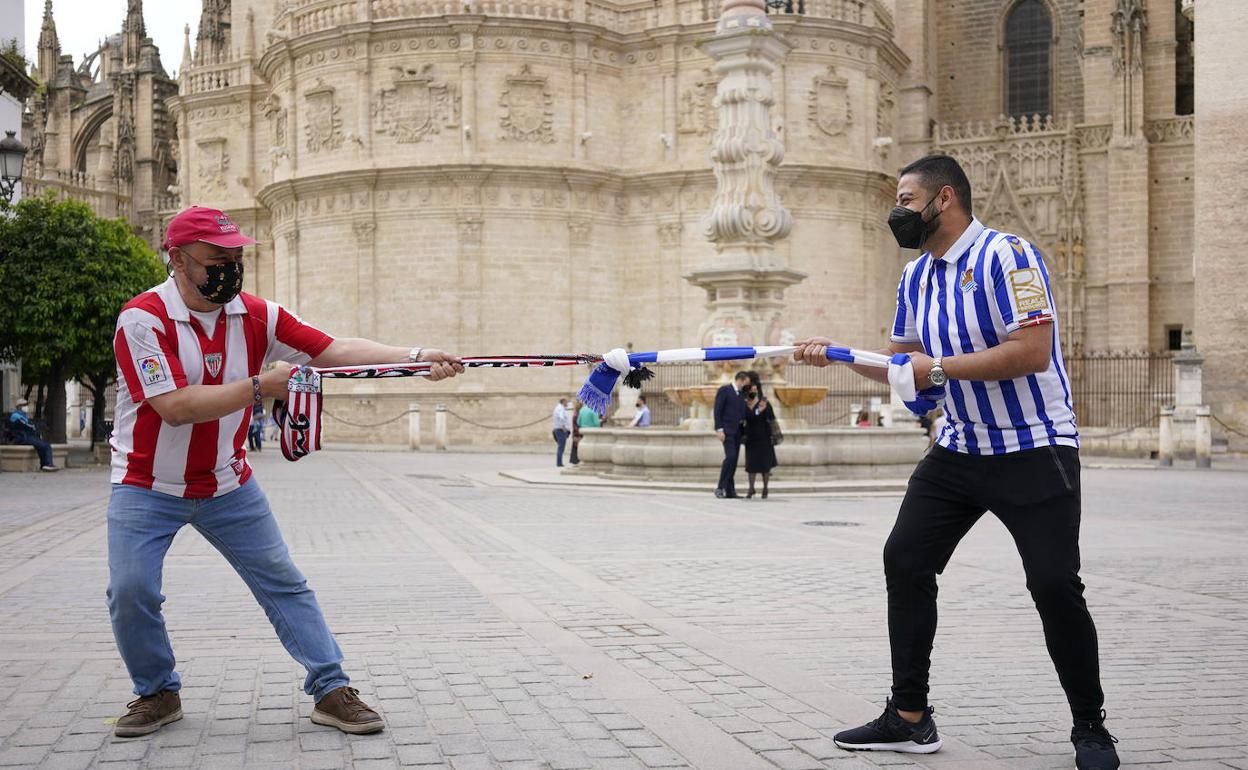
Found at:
[324, 127]
[213, 163]
[416, 107]
[527, 108]
[830, 110]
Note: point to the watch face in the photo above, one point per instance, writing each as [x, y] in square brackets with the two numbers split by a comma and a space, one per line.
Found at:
[938, 377]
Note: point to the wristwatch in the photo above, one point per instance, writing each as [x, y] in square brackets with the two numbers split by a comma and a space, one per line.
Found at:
[937, 374]
[413, 355]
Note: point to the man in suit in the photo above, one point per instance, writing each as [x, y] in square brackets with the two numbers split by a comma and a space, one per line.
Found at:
[729, 417]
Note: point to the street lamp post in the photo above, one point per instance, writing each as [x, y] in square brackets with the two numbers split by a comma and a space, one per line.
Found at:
[12, 153]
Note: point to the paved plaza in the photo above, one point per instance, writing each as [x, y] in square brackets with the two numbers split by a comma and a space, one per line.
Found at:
[502, 625]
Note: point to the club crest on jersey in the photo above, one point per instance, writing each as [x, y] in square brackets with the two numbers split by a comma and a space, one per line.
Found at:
[151, 370]
[968, 282]
[212, 362]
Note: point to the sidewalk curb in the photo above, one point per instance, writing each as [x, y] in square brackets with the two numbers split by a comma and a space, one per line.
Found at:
[551, 478]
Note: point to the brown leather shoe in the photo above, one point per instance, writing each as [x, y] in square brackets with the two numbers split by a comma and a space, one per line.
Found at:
[148, 714]
[342, 708]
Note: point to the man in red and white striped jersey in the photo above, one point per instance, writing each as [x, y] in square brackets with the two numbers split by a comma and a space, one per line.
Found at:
[189, 358]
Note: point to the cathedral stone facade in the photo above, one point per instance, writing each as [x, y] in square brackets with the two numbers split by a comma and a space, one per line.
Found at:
[499, 176]
[101, 130]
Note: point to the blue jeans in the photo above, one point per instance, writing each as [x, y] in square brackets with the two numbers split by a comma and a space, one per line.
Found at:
[561, 439]
[42, 448]
[239, 524]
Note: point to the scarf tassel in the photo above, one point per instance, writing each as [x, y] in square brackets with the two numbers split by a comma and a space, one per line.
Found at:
[635, 377]
[596, 392]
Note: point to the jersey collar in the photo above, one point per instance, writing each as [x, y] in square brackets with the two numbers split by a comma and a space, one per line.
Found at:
[177, 309]
[964, 242]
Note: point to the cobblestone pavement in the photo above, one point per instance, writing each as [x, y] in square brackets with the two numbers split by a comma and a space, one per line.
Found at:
[503, 626]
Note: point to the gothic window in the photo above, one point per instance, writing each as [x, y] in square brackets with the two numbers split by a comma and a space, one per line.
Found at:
[1184, 64]
[1028, 48]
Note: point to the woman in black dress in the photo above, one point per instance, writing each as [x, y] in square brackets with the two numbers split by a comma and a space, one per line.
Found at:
[760, 455]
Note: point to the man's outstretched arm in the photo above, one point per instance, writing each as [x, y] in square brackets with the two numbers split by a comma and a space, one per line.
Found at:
[814, 351]
[356, 351]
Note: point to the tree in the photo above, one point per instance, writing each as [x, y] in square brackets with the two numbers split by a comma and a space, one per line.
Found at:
[70, 273]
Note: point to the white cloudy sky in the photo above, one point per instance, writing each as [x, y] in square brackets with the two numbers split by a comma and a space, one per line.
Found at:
[81, 24]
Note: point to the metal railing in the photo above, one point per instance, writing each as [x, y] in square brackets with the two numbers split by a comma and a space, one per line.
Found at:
[1120, 390]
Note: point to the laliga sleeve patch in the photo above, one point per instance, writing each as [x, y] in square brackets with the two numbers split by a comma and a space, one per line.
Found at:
[1027, 286]
[152, 369]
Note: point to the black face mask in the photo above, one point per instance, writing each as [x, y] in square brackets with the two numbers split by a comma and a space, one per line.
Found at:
[909, 227]
[224, 282]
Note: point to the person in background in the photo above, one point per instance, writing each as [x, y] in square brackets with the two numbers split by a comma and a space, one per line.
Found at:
[729, 413]
[642, 418]
[560, 429]
[255, 431]
[577, 406]
[760, 454]
[864, 419]
[588, 418]
[26, 433]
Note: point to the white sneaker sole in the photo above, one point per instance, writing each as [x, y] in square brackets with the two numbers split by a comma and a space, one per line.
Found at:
[321, 718]
[135, 732]
[905, 747]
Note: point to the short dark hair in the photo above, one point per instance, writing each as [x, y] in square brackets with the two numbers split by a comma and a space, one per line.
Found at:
[642, 399]
[936, 171]
[742, 375]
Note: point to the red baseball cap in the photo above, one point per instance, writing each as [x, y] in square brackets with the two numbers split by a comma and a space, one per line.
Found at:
[199, 223]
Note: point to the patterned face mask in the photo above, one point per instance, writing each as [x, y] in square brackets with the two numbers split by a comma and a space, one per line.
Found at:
[224, 282]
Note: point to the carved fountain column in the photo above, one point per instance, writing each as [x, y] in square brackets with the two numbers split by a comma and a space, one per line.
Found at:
[744, 282]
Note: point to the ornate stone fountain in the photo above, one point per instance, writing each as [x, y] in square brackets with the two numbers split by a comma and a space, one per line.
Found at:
[745, 285]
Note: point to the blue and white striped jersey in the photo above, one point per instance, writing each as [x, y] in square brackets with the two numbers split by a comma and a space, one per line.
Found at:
[987, 286]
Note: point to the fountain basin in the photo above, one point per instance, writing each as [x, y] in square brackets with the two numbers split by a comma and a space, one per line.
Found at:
[695, 455]
[792, 396]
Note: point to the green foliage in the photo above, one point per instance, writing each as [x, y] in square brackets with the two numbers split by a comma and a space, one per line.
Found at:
[68, 273]
[10, 50]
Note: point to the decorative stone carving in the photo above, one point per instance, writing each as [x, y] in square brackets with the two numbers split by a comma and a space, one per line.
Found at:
[1170, 131]
[211, 168]
[527, 108]
[884, 111]
[746, 215]
[469, 230]
[696, 112]
[123, 161]
[1129, 23]
[416, 107]
[1094, 137]
[579, 231]
[830, 110]
[669, 234]
[1004, 209]
[364, 231]
[277, 116]
[324, 127]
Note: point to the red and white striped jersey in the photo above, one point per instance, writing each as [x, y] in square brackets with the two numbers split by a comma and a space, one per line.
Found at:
[160, 347]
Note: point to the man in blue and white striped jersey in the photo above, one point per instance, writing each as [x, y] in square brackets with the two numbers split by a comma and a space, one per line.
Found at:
[976, 314]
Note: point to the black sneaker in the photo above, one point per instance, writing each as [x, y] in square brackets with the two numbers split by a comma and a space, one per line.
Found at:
[1094, 746]
[892, 733]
